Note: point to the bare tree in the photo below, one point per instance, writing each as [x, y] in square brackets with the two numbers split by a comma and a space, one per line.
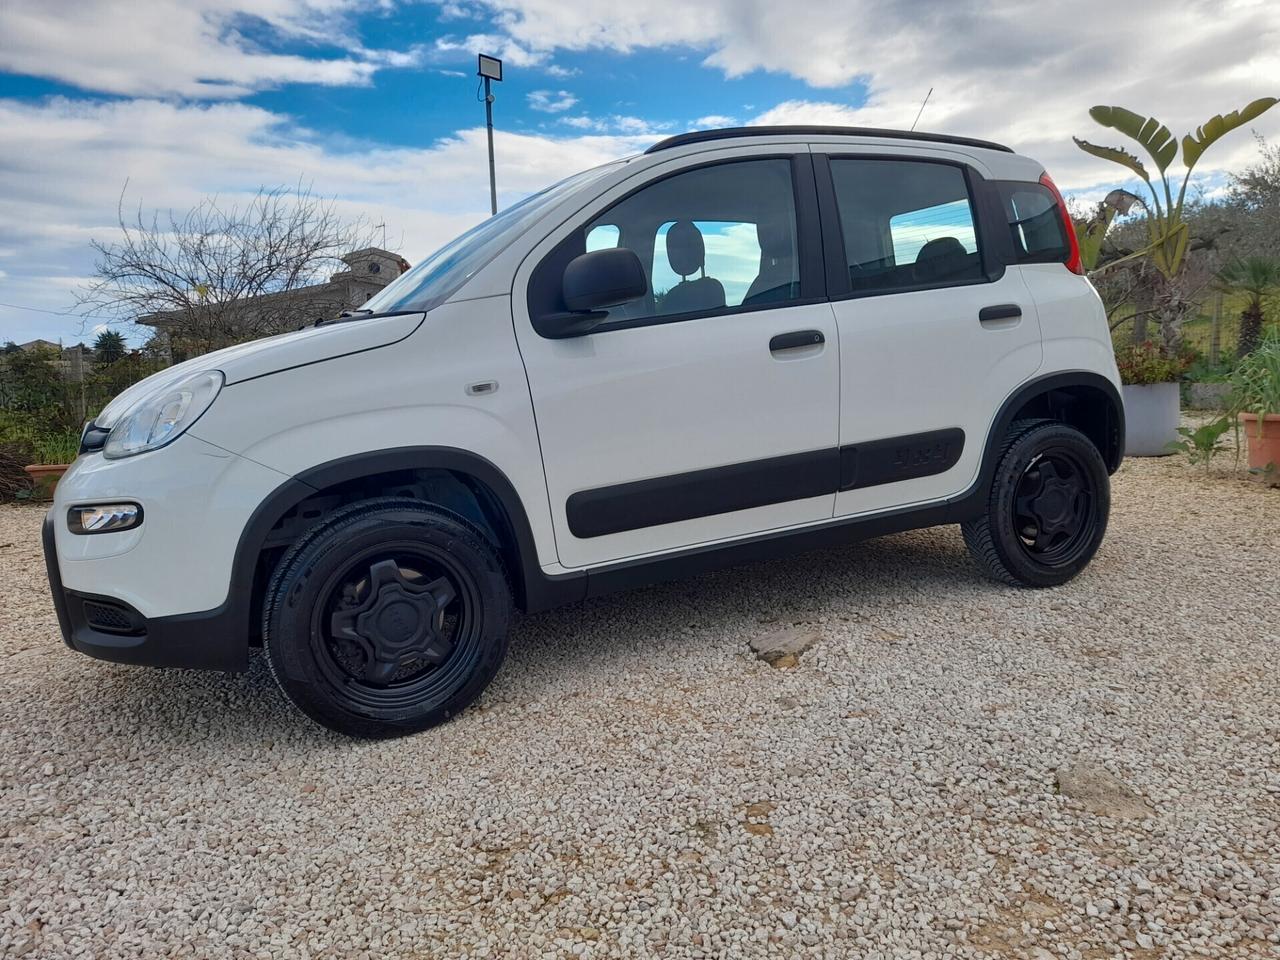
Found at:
[1256, 193]
[222, 274]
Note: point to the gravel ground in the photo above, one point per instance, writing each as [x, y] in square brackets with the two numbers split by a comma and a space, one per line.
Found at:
[637, 784]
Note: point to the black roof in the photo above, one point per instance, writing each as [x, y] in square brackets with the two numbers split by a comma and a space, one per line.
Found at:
[726, 133]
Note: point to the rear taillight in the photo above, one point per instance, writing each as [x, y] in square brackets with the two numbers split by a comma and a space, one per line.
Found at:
[1073, 245]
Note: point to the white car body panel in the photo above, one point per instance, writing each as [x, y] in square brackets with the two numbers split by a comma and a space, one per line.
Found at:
[196, 500]
[413, 394]
[920, 361]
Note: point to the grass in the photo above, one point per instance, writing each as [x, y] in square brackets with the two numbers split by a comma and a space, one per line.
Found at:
[57, 447]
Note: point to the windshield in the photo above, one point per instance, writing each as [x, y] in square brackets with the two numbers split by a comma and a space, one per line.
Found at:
[436, 278]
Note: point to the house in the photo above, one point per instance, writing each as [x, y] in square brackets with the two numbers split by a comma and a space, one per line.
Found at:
[47, 345]
[69, 361]
[368, 271]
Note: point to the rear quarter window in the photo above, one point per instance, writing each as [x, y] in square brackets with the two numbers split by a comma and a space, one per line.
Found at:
[1035, 223]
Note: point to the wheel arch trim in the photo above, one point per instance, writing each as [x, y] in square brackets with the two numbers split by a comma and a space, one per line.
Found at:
[534, 591]
[1040, 387]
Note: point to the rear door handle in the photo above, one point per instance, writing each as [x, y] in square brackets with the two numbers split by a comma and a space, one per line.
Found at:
[797, 338]
[1000, 311]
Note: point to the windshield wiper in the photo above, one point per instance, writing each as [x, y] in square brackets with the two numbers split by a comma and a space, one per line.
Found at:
[363, 313]
[344, 315]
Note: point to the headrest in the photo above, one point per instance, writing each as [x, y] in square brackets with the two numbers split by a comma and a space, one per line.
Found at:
[774, 240]
[685, 250]
[941, 247]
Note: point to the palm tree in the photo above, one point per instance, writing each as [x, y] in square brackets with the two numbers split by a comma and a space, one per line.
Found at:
[1167, 231]
[1254, 278]
[109, 347]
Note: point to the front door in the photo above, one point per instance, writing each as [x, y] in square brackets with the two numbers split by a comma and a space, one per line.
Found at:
[708, 409]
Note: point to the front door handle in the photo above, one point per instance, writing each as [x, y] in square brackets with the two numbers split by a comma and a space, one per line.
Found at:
[1000, 311]
[797, 338]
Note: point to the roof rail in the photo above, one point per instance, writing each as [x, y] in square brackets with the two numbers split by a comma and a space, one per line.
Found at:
[726, 133]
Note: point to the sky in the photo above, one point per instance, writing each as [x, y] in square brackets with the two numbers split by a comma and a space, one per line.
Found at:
[157, 103]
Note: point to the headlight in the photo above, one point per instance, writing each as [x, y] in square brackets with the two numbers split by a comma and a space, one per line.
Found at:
[162, 417]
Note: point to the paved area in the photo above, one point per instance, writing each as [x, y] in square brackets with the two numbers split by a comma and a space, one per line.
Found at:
[954, 769]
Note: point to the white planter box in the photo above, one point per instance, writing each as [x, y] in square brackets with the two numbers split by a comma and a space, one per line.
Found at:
[1150, 419]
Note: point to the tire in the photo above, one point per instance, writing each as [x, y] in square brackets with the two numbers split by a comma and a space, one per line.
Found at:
[1047, 508]
[387, 618]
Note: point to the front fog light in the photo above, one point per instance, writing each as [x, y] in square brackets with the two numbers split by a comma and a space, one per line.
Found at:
[104, 517]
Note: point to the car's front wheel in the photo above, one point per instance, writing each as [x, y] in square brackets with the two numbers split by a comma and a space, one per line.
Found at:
[1047, 508]
[387, 618]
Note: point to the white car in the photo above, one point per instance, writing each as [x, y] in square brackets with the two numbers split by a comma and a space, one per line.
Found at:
[739, 343]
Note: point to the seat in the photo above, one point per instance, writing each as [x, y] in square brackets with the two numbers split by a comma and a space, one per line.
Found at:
[687, 253]
[776, 282]
[941, 259]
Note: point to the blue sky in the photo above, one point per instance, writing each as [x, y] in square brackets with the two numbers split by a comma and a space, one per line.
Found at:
[161, 102]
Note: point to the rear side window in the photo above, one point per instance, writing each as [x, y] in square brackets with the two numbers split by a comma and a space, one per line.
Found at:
[1035, 223]
[906, 224]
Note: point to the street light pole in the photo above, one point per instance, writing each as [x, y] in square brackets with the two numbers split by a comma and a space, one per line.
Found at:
[490, 68]
[488, 122]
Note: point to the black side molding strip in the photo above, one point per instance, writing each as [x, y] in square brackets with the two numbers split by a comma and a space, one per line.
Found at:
[900, 458]
[701, 493]
[758, 483]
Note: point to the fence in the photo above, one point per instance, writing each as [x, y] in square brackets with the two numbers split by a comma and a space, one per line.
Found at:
[1213, 332]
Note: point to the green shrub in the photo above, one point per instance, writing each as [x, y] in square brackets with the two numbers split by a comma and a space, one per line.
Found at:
[1142, 364]
[1255, 382]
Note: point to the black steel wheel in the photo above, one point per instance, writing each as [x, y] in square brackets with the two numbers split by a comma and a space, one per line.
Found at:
[388, 617]
[1047, 509]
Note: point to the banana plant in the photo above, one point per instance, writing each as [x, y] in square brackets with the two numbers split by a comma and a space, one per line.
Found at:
[1090, 233]
[1167, 231]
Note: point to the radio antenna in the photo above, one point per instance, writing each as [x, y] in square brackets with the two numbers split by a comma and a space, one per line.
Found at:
[921, 110]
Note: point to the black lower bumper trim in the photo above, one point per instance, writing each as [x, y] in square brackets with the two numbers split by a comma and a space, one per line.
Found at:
[211, 640]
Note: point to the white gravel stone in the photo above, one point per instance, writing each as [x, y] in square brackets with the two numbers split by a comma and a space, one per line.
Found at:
[634, 784]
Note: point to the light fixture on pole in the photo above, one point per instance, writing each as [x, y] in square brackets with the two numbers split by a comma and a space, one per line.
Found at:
[490, 68]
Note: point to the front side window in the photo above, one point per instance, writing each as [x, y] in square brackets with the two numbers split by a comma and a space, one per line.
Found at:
[713, 239]
[906, 224]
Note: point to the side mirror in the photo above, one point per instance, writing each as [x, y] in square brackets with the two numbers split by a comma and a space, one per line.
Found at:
[603, 278]
[593, 281]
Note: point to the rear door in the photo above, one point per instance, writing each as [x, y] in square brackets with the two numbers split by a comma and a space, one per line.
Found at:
[934, 332]
[707, 410]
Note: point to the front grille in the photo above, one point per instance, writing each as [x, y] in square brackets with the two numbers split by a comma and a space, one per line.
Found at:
[111, 618]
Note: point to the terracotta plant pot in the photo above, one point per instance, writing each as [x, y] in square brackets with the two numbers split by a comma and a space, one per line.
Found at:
[1151, 413]
[45, 476]
[1263, 449]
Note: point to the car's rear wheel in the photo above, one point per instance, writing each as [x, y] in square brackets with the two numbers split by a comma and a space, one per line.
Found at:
[1047, 509]
[387, 618]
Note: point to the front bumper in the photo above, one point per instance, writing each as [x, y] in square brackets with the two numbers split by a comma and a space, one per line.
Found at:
[109, 629]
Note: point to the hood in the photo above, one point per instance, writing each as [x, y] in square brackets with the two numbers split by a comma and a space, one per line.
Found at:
[284, 351]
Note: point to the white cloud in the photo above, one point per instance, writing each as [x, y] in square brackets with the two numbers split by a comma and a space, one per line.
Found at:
[493, 45]
[714, 120]
[551, 101]
[559, 72]
[1021, 73]
[185, 48]
[809, 111]
[616, 123]
[63, 165]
